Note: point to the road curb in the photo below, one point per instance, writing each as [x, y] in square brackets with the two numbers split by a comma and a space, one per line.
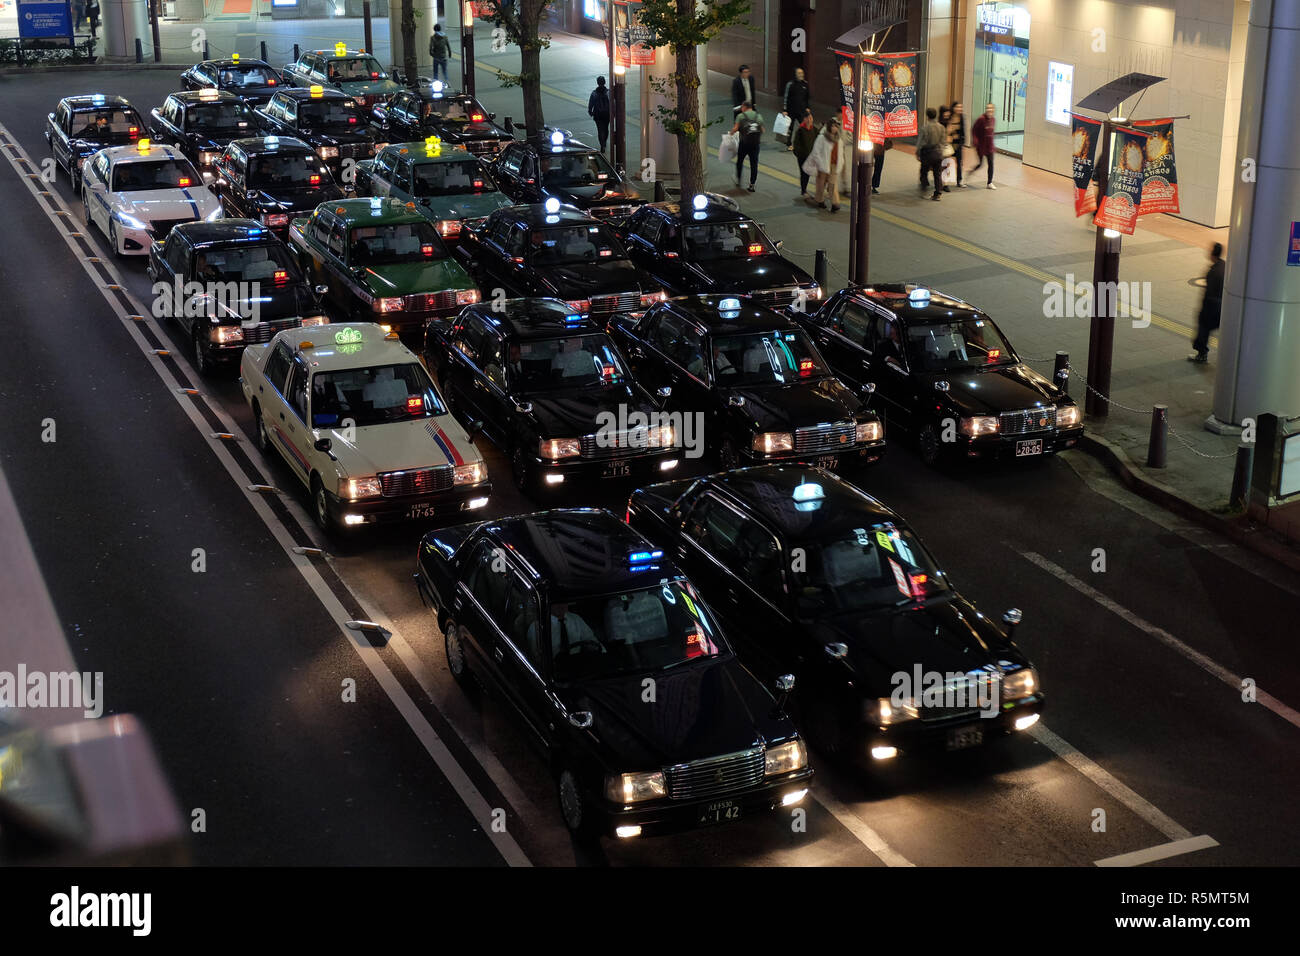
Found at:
[1255, 537]
[75, 67]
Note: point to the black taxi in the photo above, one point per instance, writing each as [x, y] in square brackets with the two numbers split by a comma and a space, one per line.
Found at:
[557, 251]
[811, 575]
[80, 126]
[457, 119]
[354, 73]
[201, 123]
[327, 120]
[253, 81]
[943, 372]
[273, 179]
[614, 669]
[763, 389]
[552, 391]
[706, 247]
[554, 165]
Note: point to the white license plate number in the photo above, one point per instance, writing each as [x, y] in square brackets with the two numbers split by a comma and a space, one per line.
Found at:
[620, 469]
[1031, 447]
[830, 464]
[420, 510]
[720, 811]
[963, 737]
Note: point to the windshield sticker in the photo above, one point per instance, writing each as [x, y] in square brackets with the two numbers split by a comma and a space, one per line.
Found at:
[864, 539]
[900, 579]
[904, 551]
[882, 539]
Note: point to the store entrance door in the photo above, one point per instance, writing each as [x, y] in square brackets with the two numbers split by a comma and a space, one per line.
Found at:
[1002, 70]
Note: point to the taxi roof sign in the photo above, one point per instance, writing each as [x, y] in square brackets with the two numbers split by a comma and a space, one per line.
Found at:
[143, 146]
[340, 48]
[317, 91]
[234, 57]
[208, 93]
[347, 336]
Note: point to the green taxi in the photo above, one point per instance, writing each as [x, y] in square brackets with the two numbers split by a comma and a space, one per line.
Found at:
[355, 72]
[381, 261]
[449, 185]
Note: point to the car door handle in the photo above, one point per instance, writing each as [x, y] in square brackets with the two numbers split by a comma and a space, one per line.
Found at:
[282, 416]
[498, 654]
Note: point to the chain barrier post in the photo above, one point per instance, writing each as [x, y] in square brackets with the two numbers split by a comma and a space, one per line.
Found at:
[1157, 446]
[820, 263]
[661, 192]
[1241, 476]
[265, 59]
[1061, 373]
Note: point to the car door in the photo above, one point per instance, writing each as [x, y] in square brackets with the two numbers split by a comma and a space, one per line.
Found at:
[478, 609]
[518, 655]
[177, 261]
[643, 233]
[59, 124]
[488, 389]
[381, 174]
[229, 184]
[291, 420]
[468, 346]
[491, 259]
[842, 332]
[96, 189]
[270, 395]
[895, 386]
[685, 369]
[507, 168]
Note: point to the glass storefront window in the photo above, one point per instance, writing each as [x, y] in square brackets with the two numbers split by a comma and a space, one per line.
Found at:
[594, 10]
[1002, 69]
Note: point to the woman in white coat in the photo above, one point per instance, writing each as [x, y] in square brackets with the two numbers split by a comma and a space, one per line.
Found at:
[829, 162]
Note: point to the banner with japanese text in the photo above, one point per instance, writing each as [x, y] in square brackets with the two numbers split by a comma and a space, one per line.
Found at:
[1118, 208]
[1160, 175]
[899, 94]
[634, 44]
[1085, 133]
[873, 98]
[847, 90]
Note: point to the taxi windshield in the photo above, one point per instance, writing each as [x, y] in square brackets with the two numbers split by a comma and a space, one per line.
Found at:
[376, 395]
[237, 77]
[451, 179]
[110, 124]
[328, 115]
[386, 245]
[464, 109]
[765, 358]
[864, 569]
[573, 245]
[214, 117]
[356, 68]
[154, 174]
[266, 262]
[576, 169]
[576, 361]
[648, 629]
[966, 344]
[725, 240]
[287, 169]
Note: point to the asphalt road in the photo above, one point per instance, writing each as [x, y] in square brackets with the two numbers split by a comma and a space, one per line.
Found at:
[239, 670]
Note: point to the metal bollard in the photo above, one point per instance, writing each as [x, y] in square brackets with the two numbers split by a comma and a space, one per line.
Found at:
[510, 125]
[660, 193]
[1156, 447]
[206, 54]
[1241, 474]
[820, 267]
[1061, 374]
[296, 54]
[262, 47]
[139, 51]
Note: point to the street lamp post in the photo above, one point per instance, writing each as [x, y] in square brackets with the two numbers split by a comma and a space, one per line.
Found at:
[1105, 275]
[860, 210]
[620, 117]
[467, 48]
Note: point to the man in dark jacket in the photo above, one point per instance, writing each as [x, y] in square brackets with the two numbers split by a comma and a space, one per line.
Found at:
[749, 126]
[796, 97]
[440, 50]
[1211, 306]
[742, 88]
[598, 110]
[929, 150]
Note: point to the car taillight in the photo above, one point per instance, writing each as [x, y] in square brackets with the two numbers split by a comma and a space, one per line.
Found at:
[478, 184]
[448, 227]
[606, 252]
[374, 76]
[352, 121]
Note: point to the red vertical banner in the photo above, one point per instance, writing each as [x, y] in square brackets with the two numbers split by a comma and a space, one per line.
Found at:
[1118, 209]
[873, 98]
[1160, 175]
[847, 90]
[1085, 133]
[482, 9]
[634, 44]
[899, 94]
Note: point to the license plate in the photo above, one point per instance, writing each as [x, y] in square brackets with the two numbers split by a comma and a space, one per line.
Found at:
[422, 509]
[1032, 447]
[720, 811]
[829, 464]
[618, 469]
[963, 737]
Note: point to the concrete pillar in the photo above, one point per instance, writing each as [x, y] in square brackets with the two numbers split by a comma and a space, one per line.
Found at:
[425, 18]
[124, 21]
[1259, 340]
[656, 142]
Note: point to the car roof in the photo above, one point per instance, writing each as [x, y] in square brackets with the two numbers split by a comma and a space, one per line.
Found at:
[535, 215]
[253, 145]
[535, 318]
[580, 552]
[769, 491]
[707, 312]
[933, 306]
[542, 143]
[242, 61]
[119, 155]
[367, 345]
[713, 212]
[203, 233]
[419, 154]
[204, 96]
[333, 54]
[86, 101]
[372, 213]
[305, 93]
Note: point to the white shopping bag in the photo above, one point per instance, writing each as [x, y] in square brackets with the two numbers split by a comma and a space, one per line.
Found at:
[781, 125]
[949, 171]
[729, 147]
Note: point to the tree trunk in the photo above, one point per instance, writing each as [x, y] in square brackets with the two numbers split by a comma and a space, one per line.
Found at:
[531, 84]
[690, 139]
[409, 67]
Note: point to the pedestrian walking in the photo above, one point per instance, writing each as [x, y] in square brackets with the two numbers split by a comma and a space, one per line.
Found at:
[929, 150]
[981, 132]
[828, 162]
[749, 125]
[78, 14]
[92, 11]
[742, 88]
[598, 110]
[878, 166]
[802, 141]
[795, 102]
[440, 50]
[957, 137]
[1211, 306]
[945, 149]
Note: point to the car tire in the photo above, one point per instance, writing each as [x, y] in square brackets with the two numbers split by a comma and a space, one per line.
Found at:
[454, 647]
[202, 363]
[728, 457]
[520, 471]
[260, 434]
[113, 241]
[85, 209]
[320, 507]
[574, 809]
[929, 446]
[824, 731]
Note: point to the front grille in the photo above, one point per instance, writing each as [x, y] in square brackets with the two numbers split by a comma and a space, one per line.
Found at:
[356, 151]
[963, 695]
[1027, 421]
[835, 436]
[431, 301]
[716, 775]
[482, 147]
[609, 304]
[611, 212]
[265, 331]
[622, 444]
[161, 227]
[421, 481]
[774, 298]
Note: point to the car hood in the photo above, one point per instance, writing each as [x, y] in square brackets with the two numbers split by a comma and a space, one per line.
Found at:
[289, 198]
[401, 446]
[214, 142]
[335, 137]
[1000, 389]
[465, 205]
[192, 202]
[798, 405]
[701, 710]
[572, 413]
[368, 87]
[406, 278]
[747, 275]
[594, 278]
[272, 304]
[455, 132]
[598, 194]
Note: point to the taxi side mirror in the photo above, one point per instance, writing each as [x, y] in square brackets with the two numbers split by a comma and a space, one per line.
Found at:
[664, 391]
[322, 289]
[581, 719]
[472, 429]
[1010, 620]
[784, 686]
[778, 244]
[323, 444]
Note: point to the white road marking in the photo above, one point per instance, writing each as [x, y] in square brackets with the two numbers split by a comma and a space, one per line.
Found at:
[1162, 852]
[868, 837]
[504, 843]
[1289, 714]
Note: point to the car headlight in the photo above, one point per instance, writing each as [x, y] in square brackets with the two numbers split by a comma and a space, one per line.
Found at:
[448, 227]
[792, 755]
[360, 487]
[771, 442]
[817, 291]
[580, 305]
[206, 158]
[652, 298]
[275, 219]
[554, 448]
[225, 334]
[663, 437]
[976, 425]
[888, 712]
[635, 787]
[314, 320]
[870, 431]
[1067, 416]
[467, 296]
[329, 152]
[214, 215]
[1020, 684]
[469, 474]
[130, 221]
[395, 304]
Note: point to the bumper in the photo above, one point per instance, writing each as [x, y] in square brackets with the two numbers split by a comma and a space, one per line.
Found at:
[945, 734]
[133, 242]
[1019, 446]
[434, 504]
[855, 457]
[664, 816]
[651, 466]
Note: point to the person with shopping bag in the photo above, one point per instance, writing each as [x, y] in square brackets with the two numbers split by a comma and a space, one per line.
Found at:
[828, 161]
[801, 144]
[749, 126]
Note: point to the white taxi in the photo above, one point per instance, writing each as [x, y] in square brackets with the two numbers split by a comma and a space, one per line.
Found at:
[135, 194]
[360, 422]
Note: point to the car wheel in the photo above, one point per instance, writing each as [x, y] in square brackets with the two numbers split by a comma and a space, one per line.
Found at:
[929, 445]
[85, 208]
[728, 457]
[202, 363]
[520, 471]
[259, 428]
[112, 239]
[573, 807]
[454, 645]
[824, 730]
[320, 506]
